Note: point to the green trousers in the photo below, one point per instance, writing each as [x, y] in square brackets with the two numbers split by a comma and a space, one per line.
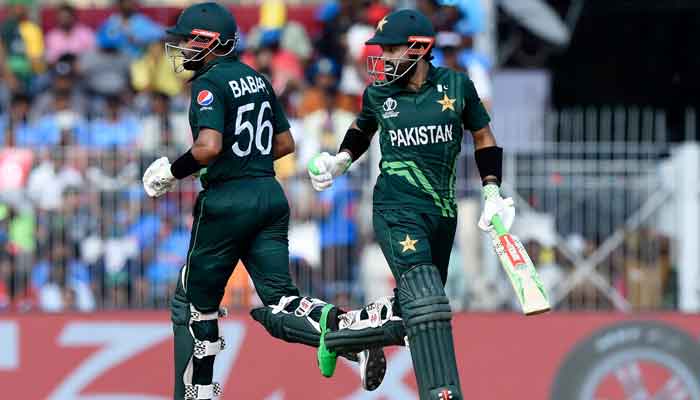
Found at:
[409, 238]
[243, 219]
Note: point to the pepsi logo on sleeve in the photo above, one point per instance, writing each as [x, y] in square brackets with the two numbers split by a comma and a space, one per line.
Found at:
[205, 98]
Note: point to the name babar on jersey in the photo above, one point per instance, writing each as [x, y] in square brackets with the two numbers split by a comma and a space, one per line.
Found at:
[247, 85]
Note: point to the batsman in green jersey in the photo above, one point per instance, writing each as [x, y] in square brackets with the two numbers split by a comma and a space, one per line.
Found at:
[419, 113]
[239, 129]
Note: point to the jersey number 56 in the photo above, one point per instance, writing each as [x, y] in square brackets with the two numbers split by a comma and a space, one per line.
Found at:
[243, 124]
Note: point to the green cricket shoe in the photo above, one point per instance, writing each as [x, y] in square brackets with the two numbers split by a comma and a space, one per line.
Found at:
[326, 358]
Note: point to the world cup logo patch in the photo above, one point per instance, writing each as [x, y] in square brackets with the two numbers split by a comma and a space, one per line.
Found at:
[389, 108]
[205, 98]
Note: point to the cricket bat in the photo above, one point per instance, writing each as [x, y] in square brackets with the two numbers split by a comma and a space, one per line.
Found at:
[520, 269]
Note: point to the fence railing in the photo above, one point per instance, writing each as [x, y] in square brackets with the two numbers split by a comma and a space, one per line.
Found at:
[596, 208]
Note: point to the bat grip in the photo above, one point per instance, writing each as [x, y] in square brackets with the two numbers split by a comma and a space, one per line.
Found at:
[498, 225]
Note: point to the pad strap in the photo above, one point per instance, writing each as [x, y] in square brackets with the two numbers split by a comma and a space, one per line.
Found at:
[283, 303]
[198, 316]
[205, 348]
[308, 304]
[203, 392]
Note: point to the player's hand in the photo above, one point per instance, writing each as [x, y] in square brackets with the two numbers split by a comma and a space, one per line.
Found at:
[157, 180]
[494, 204]
[323, 168]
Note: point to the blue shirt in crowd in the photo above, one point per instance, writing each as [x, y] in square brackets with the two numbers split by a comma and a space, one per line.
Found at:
[338, 228]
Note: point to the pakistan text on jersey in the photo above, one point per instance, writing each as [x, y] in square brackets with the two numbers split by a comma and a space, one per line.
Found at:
[247, 85]
[421, 135]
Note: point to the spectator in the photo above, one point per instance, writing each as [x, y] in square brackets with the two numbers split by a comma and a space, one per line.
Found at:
[154, 72]
[336, 18]
[58, 112]
[466, 17]
[338, 239]
[170, 256]
[6, 266]
[62, 281]
[164, 132]
[105, 70]
[324, 92]
[21, 243]
[118, 127]
[273, 22]
[326, 113]
[65, 93]
[23, 44]
[16, 123]
[130, 30]
[49, 180]
[459, 21]
[354, 76]
[280, 66]
[447, 49]
[69, 36]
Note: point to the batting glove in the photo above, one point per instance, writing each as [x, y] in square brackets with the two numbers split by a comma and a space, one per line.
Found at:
[158, 180]
[323, 168]
[494, 204]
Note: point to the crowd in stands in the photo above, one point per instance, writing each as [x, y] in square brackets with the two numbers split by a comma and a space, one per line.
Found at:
[84, 107]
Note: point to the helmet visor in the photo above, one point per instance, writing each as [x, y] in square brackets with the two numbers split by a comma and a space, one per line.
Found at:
[387, 70]
[193, 50]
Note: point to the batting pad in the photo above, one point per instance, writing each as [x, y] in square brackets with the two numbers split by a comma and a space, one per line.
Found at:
[427, 315]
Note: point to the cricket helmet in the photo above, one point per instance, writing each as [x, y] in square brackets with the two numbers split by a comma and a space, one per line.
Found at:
[402, 27]
[205, 27]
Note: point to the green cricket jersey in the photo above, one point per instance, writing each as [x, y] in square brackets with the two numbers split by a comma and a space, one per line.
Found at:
[237, 101]
[420, 136]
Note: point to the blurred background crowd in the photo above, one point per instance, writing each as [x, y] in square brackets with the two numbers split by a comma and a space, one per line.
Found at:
[88, 99]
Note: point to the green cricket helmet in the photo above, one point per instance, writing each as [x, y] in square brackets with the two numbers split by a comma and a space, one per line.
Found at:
[402, 27]
[205, 27]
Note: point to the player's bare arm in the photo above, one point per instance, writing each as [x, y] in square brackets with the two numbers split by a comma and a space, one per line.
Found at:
[282, 144]
[207, 146]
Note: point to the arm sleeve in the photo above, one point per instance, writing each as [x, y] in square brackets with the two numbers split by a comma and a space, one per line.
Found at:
[208, 104]
[367, 120]
[474, 115]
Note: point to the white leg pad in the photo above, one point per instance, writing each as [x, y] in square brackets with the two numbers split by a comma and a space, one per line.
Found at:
[203, 392]
[204, 348]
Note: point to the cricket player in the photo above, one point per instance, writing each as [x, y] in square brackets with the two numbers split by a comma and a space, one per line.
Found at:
[239, 129]
[419, 112]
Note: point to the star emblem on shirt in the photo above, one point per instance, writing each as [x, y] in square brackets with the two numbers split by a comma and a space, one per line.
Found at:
[380, 25]
[447, 103]
[408, 244]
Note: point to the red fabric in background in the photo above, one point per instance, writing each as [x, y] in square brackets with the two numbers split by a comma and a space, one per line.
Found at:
[501, 356]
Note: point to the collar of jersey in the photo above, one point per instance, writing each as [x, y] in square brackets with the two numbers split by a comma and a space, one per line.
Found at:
[431, 79]
[211, 64]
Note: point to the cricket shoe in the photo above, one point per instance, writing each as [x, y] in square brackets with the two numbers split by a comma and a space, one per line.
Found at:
[372, 368]
[326, 359]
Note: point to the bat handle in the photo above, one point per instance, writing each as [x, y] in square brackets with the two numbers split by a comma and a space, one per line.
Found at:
[498, 225]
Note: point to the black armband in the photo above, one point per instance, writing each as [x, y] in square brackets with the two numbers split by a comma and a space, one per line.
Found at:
[489, 161]
[356, 142]
[185, 165]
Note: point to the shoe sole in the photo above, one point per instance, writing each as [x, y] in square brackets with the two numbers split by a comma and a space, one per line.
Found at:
[373, 369]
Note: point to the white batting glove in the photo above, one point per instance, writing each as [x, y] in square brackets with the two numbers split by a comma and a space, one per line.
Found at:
[158, 180]
[323, 168]
[494, 204]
